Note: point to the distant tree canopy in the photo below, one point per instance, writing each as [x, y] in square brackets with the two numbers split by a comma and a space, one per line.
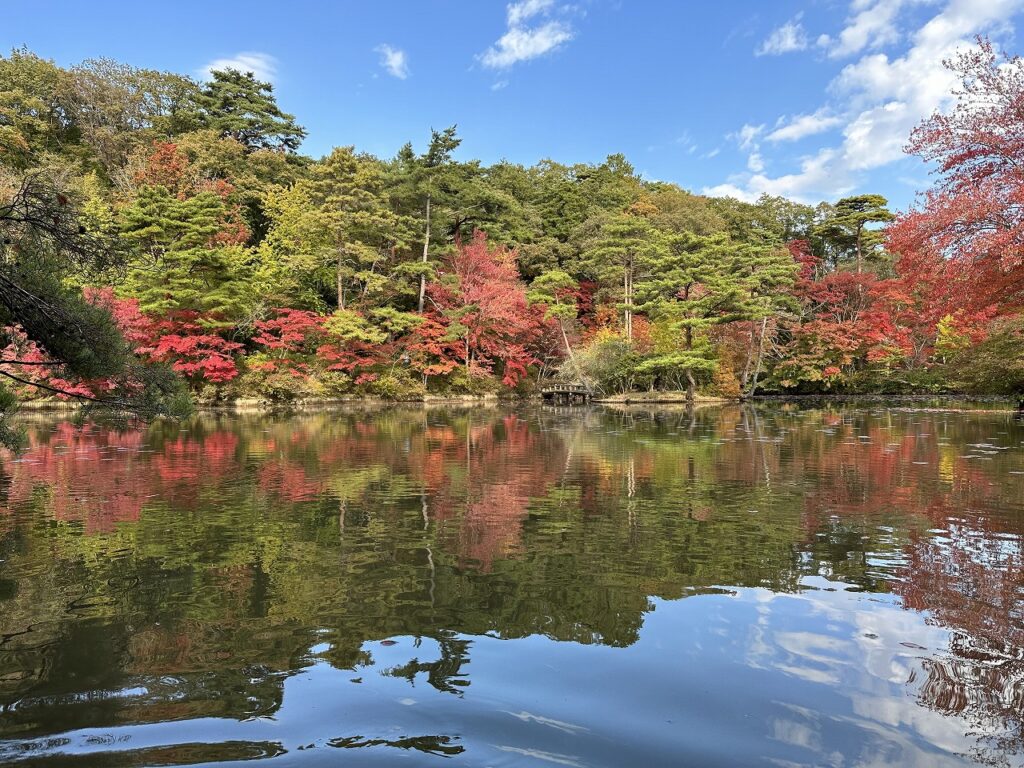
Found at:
[151, 223]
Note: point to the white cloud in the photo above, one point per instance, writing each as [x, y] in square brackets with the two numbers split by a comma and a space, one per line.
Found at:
[802, 126]
[262, 65]
[729, 190]
[785, 39]
[524, 44]
[746, 136]
[877, 99]
[872, 26]
[526, 10]
[876, 137]
[393, 60]
[521, 42]
[816, 172]
[498, 85]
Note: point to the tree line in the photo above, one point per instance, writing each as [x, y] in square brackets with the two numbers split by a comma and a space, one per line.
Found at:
[163, 239]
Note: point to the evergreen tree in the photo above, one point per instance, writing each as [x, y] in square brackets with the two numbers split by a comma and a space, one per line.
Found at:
[847, 226]
[238, 105]
[625, 247]
[340, 218]
[176, 263]
[426, 186]
[705, 281]
[555, 290]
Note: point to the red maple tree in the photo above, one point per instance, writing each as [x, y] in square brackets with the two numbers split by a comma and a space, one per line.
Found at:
[965, 239]
[484, 300]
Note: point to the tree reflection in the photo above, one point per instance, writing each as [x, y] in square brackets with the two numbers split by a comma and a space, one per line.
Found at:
[208, 555]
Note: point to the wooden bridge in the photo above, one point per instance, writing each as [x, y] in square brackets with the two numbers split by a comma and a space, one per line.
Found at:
[565, 393]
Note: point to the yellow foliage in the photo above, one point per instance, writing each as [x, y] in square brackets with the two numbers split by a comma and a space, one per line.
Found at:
[725, 382]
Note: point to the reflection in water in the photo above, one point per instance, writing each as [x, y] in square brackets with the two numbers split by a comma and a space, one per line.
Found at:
[504, 587]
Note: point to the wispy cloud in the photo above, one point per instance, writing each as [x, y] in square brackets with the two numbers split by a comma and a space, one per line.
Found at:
[526, 10]
[747, 136]
[262, 65]
[686, 142]
[877, 99]
[785, 39]
[872, 25]
[801, 126]
[394, 61]
[523, 41]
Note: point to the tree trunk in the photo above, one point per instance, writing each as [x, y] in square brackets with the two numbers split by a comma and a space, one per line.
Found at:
[627, 286]
[860, 264]
[760, 358]
[426, 255]
[341, 278]
[691, 383]
[745, 377]
[572, 356]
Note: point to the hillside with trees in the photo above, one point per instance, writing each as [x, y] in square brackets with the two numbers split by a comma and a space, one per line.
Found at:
[164, 240]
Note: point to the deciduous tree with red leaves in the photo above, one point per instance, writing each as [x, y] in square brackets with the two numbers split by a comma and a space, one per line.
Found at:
[966, 237]
[430, 349]
[182, 341]
[290, 339]
[484, 300]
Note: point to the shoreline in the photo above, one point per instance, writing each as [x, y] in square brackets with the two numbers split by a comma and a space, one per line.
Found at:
[653, 398]
[256, 405]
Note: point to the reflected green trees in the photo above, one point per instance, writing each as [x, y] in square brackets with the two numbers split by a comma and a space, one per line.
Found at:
[202, 561]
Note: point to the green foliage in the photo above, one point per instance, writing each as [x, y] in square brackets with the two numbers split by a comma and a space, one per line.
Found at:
[42, 244]
[847, 228]
[348, 325]
[11, 435]
[461, 382]
[996, 365]
[336, 227]
[398, 384]
[176, 264]
[115, 108]
[238, 105]
[275, 385]
[555, 290]
[32, 120]
[611, 363]
[81, 335]
[950, 339]
[190, 200]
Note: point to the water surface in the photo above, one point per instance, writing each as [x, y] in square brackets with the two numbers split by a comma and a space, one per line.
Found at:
[777, 585]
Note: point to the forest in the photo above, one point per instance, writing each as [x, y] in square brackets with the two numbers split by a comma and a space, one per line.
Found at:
[164, 241]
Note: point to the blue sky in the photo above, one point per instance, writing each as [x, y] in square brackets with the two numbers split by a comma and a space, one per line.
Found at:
[811, 100]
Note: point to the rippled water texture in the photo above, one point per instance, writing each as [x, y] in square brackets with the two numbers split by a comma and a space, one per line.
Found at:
[739, 586]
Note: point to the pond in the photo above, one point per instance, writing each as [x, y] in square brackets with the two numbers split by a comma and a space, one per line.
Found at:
[765, 585]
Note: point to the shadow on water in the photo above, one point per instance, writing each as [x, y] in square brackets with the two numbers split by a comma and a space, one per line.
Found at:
[506, 586]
